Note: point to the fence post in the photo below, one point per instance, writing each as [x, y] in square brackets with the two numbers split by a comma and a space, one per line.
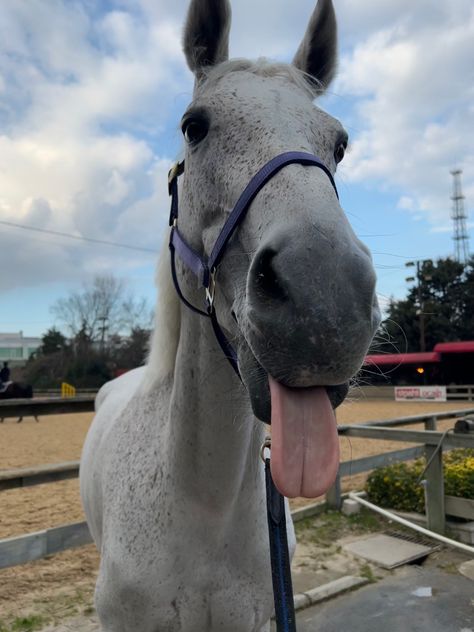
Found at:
[434, 490]
[431, 423]
[333, 495]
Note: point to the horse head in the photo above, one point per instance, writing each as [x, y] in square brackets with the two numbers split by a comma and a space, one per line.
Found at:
[295, 286]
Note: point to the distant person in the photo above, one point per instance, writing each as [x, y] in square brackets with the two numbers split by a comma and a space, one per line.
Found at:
[5, 373]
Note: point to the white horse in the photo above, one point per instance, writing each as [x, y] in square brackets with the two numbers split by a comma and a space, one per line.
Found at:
[171, 479]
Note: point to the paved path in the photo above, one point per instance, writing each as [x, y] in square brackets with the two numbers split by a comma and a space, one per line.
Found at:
[399, 603]
[396, 604]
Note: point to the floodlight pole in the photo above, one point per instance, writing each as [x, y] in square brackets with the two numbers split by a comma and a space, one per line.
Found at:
[420, 303]
[420, 310]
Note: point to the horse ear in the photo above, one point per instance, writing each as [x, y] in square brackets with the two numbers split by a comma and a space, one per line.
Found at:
[317, 54]
[206, 34]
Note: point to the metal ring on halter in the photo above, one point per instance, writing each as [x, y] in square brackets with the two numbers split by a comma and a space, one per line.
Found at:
[266, 445]
[211, 289]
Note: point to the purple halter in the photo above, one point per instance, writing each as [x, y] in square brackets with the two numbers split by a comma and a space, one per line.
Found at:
[205, 269]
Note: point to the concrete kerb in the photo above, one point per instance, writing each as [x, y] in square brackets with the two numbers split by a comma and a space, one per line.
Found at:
[315, 509]
[309, 511]
[329, 590]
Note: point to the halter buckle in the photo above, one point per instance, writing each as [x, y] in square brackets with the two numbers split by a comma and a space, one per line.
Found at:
[176, 170]
[211, 288]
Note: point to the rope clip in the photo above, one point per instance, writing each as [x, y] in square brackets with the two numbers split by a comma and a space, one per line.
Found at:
[266, 445]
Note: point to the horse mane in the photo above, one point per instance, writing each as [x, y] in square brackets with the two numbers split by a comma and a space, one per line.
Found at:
[165, 337]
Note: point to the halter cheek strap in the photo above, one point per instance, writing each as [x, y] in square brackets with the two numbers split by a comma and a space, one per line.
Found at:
[205, 268]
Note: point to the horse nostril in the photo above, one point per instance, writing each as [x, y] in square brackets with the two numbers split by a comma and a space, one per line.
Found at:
[266, 278]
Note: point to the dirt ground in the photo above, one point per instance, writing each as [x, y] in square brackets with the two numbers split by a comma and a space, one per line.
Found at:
[63, 584]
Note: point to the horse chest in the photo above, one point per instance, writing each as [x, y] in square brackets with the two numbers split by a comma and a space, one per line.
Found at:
[176, 560]
[185, 578]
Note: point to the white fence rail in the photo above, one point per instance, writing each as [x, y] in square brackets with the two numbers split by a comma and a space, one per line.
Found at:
[466, 391]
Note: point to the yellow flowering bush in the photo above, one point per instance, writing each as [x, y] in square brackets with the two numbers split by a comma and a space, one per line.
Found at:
[459, 474]
[397, 486]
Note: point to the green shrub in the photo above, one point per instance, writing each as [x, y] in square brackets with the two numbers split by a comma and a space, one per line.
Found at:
[397, 486]
[459, 474]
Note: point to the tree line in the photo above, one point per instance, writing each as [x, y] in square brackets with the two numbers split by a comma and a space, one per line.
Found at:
[104, 330]
[439, 307]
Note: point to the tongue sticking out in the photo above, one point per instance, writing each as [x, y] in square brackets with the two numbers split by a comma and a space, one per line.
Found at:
[305, 445]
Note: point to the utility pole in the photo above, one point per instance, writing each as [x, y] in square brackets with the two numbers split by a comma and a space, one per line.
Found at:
[421, 309]
[420, 312]
[103, 331]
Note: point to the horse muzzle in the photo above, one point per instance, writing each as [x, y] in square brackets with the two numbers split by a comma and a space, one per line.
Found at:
[313, 296]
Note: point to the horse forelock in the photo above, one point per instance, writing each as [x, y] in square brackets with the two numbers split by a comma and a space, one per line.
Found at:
[262, 67]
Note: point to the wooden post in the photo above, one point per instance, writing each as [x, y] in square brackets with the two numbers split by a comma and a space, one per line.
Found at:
[434, 490]
[333, 495]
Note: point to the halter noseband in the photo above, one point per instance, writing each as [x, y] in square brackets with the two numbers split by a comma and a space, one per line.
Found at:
[205, 268]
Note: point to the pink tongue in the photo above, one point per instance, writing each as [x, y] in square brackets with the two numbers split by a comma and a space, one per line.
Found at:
[305, 445]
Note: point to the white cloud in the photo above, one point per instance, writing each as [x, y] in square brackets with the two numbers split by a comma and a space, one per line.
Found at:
[407, 203]
[413, 85]
[88, 96]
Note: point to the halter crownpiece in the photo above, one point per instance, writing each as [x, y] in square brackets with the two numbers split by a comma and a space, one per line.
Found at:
[205, 268]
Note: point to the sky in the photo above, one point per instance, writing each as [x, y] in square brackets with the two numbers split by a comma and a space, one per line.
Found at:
[92, 92]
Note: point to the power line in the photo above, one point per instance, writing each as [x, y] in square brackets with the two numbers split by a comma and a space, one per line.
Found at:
[76, 237]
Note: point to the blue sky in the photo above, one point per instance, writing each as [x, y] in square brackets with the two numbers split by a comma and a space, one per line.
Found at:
[91, 94]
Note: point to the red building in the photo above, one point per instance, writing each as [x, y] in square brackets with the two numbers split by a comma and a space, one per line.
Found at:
[448, 363]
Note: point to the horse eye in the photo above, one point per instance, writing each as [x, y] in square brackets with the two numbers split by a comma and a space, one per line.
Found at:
[194, 130]
[339, 152]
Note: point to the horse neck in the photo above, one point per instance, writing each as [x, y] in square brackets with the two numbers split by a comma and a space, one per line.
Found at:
[213, 434]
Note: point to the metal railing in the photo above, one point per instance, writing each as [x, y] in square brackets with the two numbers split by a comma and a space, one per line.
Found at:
[433, 444]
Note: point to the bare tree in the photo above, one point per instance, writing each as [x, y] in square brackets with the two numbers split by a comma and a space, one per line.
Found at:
[101, 309]
[136, 314]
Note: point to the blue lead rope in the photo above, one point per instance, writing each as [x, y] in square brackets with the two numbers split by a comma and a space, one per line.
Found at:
[280, 557]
